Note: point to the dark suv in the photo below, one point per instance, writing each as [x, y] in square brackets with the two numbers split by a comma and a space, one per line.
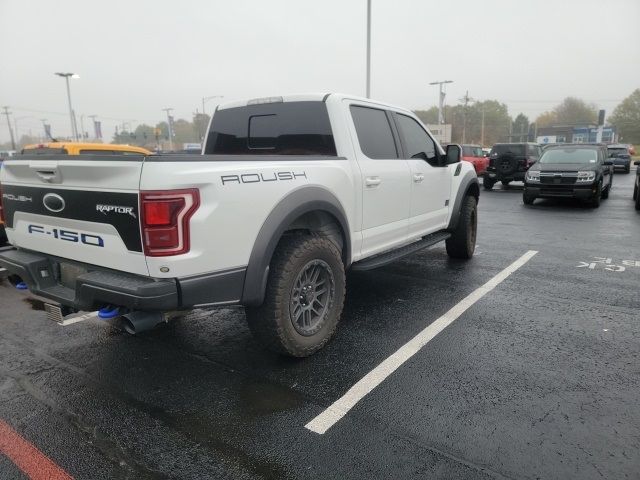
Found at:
[579, 171]
[620, 157]
[509, 162]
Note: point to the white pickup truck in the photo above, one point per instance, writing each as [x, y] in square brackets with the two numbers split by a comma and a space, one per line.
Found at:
[289, 193]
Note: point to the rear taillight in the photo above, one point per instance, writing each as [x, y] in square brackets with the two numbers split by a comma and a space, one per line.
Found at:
[165, 216]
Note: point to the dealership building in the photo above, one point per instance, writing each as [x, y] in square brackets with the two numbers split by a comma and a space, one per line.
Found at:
[575, 134]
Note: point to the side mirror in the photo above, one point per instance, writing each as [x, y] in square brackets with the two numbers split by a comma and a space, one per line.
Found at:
[454, 153]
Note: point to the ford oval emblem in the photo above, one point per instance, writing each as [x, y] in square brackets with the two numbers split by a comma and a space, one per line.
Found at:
[53, 202]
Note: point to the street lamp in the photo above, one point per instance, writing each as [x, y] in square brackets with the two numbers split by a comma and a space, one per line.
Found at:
[74, 127]
[205, 99]
[441, 102]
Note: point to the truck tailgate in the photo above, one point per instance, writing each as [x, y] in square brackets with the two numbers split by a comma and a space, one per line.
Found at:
[82, 208]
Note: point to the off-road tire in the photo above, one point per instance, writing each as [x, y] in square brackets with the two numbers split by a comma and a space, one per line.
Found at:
[635, 192]
[528, 199]
[638, 201]
[487, 183]
[462, 242]
[272, 323]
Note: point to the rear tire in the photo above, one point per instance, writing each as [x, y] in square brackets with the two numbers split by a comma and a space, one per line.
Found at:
[304, 297]
[528, 199]
[462, 242]
[638, 202]
[488, 183]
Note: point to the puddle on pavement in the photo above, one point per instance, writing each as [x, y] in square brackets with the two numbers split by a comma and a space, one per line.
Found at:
[257, 399]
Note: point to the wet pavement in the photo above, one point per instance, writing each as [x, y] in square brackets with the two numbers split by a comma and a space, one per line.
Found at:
[538, 379]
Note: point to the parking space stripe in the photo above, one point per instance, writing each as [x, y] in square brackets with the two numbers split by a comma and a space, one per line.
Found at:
[375, 377]
[33, 463]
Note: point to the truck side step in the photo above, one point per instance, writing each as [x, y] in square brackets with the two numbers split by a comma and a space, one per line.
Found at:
[393, 255]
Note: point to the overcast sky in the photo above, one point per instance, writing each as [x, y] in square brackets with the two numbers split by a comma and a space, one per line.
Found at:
[136, 57]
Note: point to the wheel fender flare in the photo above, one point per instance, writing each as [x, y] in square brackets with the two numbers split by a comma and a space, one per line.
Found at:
[291, 207]
[469, 185]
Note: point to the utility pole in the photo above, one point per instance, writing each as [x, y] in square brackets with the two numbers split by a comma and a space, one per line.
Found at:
[368, 48]
[466, 100]
[82, 127]
[170, 124]
[13, 140]
[441, 101]
[93, 120]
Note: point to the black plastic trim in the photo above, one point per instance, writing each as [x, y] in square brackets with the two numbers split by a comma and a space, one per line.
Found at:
[99, 287]
[85, 157]
[212, 288]
[467, 182]
[297, 203]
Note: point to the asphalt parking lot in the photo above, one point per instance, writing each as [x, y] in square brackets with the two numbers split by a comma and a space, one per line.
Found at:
[539, 378]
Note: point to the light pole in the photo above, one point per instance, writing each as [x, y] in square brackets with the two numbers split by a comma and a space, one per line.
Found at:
[205, 99]
[441, 102]
[74, 127]
[368, 48]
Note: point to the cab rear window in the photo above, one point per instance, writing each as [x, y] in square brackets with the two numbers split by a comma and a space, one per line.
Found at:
[284, 128]
[45, 151]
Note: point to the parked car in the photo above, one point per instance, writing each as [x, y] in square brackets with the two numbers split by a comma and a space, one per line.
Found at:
[579, 171]
[620, 156]
[79, 148]
[290, 193]
[509, 162]
[474, 155]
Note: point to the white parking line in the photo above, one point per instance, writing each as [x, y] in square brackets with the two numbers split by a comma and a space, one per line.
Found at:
[375, 377]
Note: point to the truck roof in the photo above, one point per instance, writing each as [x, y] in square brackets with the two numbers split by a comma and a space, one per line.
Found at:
[305, 97]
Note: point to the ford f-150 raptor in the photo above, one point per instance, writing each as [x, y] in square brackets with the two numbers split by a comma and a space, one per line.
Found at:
[289, 193]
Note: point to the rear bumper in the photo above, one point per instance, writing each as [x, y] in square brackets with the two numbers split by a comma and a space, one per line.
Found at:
[581, 192]
[96, 288]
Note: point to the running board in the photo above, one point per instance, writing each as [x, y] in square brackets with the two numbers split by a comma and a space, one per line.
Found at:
[393, 255]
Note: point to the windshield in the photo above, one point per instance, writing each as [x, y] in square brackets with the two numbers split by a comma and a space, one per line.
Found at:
[570, 155]
[469, 151]
[618, 151]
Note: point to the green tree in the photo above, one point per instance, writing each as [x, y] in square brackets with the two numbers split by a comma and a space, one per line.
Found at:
[546, 119]
[520, 127]
[428, 116]
[626, 118]
[574, 111]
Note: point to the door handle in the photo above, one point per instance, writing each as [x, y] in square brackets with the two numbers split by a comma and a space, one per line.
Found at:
[418, 177]
[372, 181]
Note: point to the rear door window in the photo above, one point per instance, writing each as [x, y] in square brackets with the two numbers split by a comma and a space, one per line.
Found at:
[504, 149]
[374, 132]
[282, 128]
